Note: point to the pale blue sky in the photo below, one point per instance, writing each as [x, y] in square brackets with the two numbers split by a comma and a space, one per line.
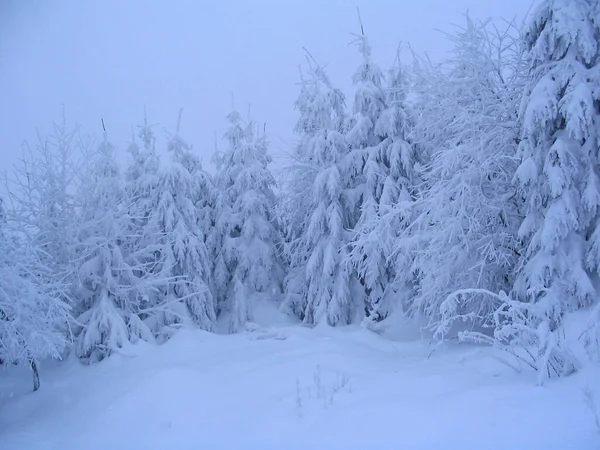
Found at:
[109, 58]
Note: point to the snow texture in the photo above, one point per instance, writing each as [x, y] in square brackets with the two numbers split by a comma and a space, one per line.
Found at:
[286, 386]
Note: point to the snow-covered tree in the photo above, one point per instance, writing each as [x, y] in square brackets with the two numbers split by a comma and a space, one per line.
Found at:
[144, 237]
[175, 226]
[33, 318]
[398, 192]
[144, 163]
[41, 195]
[381, 117]
[248, 264]
[369, 102]
[465, 231]
[558, 176]
[108, 295]
[321, 284]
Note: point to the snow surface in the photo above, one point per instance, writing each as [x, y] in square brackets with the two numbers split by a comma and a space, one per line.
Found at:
[285, 386]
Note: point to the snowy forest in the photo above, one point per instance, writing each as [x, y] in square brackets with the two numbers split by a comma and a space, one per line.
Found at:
[462, 196]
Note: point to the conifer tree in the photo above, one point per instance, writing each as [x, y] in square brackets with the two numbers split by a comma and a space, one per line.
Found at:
[381, 118]
[321, 285]
[144, 237]
[369, 103]
[107, 286]
[248, 265]
[558, 176]
[179, 220]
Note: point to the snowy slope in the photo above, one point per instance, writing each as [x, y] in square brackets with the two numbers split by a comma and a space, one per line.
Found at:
[290, 387]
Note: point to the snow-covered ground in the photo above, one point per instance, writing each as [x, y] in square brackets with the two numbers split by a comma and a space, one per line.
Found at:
[289, 387]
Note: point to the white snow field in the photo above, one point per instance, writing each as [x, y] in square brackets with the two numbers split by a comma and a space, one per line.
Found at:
[285, 386]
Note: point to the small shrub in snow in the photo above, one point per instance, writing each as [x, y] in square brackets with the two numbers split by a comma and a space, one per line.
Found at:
[515, 329]
[590, 396]
[323, 388]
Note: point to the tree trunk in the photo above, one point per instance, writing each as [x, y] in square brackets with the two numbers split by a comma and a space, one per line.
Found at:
[36, 375]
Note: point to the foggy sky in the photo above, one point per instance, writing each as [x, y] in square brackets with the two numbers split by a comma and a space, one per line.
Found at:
[107, 59]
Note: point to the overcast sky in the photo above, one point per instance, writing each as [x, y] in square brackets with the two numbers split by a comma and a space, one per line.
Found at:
[109, 58]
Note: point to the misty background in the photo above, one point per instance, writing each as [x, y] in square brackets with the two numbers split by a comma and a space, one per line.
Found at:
[108, 59]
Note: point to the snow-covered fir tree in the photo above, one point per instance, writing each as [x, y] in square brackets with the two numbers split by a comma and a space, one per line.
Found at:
[558, 176]
[108, 296]
[144, 237]
[142, 178]
[177, 218]
[34, 318]
[321, 284]
[248, 265]
[389, 182]
[367, 254]
[398, 192]
[144, 162]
